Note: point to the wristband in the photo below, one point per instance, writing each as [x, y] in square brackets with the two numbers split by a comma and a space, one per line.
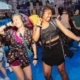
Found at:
[39, 26]
[6, 25]
[35, 58]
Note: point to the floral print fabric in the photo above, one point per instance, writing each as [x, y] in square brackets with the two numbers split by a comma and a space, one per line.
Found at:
[17, 49]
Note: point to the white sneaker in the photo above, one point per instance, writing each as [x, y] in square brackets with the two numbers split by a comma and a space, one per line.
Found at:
[10, 69]
[6, 78]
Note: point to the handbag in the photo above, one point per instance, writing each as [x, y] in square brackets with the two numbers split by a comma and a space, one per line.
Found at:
[65, 40]
[29, 52]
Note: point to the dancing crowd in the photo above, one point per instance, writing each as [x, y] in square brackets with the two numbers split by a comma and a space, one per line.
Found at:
[39, 28]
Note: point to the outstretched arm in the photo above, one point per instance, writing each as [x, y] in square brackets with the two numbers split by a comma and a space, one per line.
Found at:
[66, 31]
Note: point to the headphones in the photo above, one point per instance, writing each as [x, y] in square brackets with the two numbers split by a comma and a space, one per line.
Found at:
[23, 18]
[40, 14]
[41, 11]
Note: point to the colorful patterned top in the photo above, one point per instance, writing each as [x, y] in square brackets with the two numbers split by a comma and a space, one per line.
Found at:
[17, 49]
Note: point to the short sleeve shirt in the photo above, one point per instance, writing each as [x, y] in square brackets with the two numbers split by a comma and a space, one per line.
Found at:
[15, 46]
[76, 19]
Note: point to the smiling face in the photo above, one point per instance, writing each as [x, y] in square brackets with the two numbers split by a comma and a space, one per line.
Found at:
[47, 15]
[17, 21]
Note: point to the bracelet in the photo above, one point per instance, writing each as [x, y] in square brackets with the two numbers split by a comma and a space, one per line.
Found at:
[35, 58]
[39, 26]
[6, 25]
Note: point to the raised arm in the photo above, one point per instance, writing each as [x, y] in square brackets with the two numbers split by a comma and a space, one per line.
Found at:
[36, 31]
[4, 26]
[66, 31]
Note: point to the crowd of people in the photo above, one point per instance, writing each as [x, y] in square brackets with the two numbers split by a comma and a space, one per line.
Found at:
[46, 30]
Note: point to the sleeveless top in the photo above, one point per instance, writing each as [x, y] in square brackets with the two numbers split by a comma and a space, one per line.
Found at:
[16, 45]
[17, 49]
[63, 20]
[48, 33]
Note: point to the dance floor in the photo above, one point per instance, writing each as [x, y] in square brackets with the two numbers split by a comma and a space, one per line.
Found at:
[72, 67]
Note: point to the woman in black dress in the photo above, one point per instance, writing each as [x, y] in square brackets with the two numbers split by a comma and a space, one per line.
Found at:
[53, 52]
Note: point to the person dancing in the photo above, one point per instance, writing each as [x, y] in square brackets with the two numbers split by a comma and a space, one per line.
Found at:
[17, 56]
[53, 53]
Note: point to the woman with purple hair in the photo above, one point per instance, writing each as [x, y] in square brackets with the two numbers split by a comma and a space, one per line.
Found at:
[17, 56]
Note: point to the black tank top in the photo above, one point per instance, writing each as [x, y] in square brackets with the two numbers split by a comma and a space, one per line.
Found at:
[48, 33]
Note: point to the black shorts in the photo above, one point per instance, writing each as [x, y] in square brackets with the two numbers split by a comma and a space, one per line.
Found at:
[54, 55]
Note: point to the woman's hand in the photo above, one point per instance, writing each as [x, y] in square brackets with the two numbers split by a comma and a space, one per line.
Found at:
[35, 62]
[10, 24]
[35, 54]
[39, 21]
[36, 30]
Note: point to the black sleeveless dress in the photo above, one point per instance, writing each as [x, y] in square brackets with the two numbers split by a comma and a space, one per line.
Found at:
[53, 53]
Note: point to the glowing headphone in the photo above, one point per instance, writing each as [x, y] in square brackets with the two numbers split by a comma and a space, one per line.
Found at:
[23, 18]
[41, 11]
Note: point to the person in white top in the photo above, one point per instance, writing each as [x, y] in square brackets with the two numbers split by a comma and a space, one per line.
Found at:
[65, 19]
[2, 54]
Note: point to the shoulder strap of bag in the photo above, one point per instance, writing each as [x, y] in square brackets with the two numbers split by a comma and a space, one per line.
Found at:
[12, 33]
[53, 22]
[25, 44]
